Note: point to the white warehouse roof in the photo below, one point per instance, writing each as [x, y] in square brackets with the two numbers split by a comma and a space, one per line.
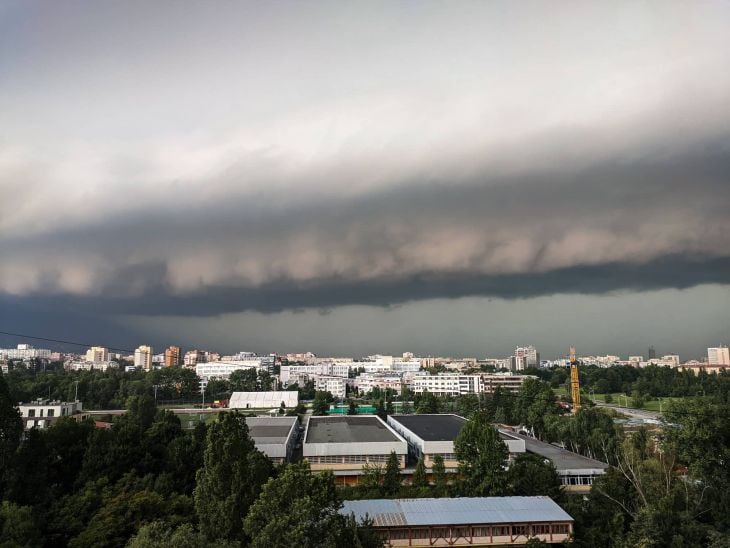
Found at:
[264, 400]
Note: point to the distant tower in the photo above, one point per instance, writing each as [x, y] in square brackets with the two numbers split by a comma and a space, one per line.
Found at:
[574, 381]
[652, 353]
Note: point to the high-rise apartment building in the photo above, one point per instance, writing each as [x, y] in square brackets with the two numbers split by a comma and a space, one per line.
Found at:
[172, 356]
[97, 354]
[143, 357]
[526, 356]
[718, 356]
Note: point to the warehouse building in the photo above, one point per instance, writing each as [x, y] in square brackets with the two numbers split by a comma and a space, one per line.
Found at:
[264, 400]
[577, 473]
[431, 435]
[275, 437]
[468, 521]
[345, 444]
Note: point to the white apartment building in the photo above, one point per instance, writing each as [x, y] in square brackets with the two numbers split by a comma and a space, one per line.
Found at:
[25, 352]
[447, 384]
[334, 385]
[719, 355]
[143, 357]
[504, 381]
[42, 413]
[90, 366]
[97, 354]
[223, 370]
[292, 373]
[365, 382]
[526, 356]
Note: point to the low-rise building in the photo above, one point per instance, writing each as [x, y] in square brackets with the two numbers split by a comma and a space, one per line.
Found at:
[264, 400]
[431, 435]
[25, 352]
[223, 370]
[345, 444]
[275, 437]
[337, 386]
[90, 366]
[43, 413]
[447, 384]
[577, 473]
[464, 521]
[505, 381]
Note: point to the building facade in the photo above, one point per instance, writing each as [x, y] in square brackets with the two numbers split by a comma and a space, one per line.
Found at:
[143, 357]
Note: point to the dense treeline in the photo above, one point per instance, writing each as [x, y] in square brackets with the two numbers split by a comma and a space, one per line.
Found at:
[145, 482]
[653, 381]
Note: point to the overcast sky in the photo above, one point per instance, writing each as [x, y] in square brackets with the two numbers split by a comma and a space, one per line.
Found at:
[350, 177]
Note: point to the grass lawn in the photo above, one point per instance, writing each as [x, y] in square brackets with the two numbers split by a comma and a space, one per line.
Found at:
[659, 404]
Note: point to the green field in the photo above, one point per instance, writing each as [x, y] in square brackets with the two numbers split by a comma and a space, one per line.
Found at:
[620, 400]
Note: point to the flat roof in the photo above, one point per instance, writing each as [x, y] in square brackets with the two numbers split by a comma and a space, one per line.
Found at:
[270, 429]
[348, 429]
[432, 427]
[561, 458]
[457, 511]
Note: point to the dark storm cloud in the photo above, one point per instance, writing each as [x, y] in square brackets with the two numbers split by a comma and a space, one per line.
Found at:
[666, 272]
[321, 165]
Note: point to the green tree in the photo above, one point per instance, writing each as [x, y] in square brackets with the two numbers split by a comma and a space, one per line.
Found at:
[11, 428]
[419, 474]
[427, 403]
[392, 477]
[440, 480]
[231, 478]
[18, 529]
[482, 457]
[352, 408]
[380, 410]
[160, 534]
[532, 475]
[321, 405]
[301, 509]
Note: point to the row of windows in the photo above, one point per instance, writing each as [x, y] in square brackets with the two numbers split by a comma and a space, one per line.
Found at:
[51, 413]
[348, 459]
[466, 532]
[576, 480]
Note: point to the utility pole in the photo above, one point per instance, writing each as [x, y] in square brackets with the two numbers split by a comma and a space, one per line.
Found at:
[76, 393]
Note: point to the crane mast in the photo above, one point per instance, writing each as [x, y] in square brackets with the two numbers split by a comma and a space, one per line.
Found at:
[574, 381]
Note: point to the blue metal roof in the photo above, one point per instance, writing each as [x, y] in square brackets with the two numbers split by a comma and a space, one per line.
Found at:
[458, 511]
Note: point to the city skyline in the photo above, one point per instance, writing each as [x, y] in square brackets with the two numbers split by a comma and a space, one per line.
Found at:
[367, 177]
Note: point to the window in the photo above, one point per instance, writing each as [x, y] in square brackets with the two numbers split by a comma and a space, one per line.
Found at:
[520, 530]
[51, 412]
[31, 412]
[41, 413]
[560, 528]
[481, 531]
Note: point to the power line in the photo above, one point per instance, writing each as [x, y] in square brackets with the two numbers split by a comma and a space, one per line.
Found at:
[73, 343]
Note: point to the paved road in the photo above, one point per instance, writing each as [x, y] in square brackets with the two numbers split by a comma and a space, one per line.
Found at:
[185, 411]
[642, 414]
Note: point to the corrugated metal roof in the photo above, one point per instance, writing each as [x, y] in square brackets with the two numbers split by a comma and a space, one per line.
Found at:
[458, 511]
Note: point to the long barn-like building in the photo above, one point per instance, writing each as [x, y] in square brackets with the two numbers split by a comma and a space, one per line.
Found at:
[468, 521]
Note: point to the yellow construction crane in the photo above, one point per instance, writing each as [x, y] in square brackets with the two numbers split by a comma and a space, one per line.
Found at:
[574, 381]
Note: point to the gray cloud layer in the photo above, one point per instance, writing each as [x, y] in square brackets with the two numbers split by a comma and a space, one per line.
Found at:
[485, 157]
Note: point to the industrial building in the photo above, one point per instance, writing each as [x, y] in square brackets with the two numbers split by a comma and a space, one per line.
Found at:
[467, 521]
[264, 400]
[345, 444]
[275, 437]
[431, 435]
[577, 473]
